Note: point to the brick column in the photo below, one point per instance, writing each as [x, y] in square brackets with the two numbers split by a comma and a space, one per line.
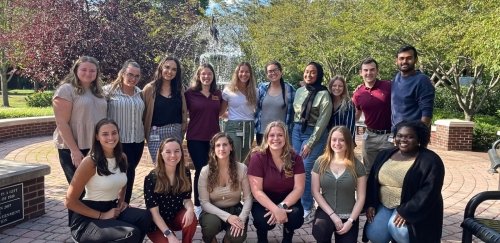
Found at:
[452, 134]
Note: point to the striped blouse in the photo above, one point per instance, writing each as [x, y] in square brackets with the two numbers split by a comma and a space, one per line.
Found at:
[344, 118]
[127, 112]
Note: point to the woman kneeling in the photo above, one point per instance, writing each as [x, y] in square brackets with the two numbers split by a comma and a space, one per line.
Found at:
[276, 177]
[167, 192]
[223, 185]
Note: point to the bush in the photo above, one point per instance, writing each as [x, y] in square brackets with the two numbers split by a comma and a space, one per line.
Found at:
[485, 127]
[484, 135]
[39, 99]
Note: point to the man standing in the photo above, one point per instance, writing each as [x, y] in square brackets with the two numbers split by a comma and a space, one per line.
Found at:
[373, 98]
[412, 94]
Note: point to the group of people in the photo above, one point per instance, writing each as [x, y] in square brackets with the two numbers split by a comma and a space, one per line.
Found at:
[304, 153]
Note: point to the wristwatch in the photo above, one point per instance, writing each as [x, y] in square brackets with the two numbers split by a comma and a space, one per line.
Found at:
[167, 232]
[282, 205]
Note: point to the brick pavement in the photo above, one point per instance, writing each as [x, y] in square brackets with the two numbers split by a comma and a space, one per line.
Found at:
[466, 175]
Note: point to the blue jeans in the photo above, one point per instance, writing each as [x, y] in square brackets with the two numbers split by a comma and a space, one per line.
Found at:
[382, 229]
[299, 139]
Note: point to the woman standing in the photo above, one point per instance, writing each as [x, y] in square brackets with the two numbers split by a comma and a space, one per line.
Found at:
[203, 102]
[223, 185]
[239, 99]
[125, 106]
[404, 201]
[78, 105]
[313, 108]
[275, 100]
[276, 176]
[343, 112]
[339, 187]
[167, 193]
[103, 215]
[166, 112]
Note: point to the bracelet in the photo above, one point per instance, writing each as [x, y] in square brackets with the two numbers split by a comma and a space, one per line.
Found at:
[331, 213]
[99, 215]
[350, 220]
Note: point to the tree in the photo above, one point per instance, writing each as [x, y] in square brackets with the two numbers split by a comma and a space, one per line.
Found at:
[54, 33]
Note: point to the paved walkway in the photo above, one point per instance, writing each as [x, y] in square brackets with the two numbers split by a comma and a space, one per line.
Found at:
[466, 175]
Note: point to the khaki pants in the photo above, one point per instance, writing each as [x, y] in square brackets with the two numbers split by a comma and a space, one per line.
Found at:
[372, 144]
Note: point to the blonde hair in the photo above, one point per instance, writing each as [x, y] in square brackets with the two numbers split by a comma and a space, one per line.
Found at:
[286, 153]
[118, 82]
[181, 182]
[251, 93]
[326, 158]
[344, 97]
[72, 77]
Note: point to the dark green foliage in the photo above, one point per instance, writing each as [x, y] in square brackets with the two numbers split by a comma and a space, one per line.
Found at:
[483, 136]
[445, 100]
[485, 127]
[39, 99]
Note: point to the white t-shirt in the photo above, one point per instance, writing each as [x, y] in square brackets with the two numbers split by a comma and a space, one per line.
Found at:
[238, 107]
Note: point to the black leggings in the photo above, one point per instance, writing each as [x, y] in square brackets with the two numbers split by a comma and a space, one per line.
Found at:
[295, 220]
[324, 228]
[134, 154]
[130, 226]
[198, 151]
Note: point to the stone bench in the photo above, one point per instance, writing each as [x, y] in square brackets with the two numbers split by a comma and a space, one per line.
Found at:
[22, 192]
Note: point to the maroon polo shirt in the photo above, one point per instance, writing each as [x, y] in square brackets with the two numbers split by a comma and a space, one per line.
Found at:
[203, 114]
[375, 104]
[274, 182]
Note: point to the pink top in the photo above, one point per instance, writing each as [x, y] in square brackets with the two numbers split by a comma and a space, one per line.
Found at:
[87, 111]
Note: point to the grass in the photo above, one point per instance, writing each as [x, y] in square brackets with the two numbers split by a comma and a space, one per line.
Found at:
[19, 108]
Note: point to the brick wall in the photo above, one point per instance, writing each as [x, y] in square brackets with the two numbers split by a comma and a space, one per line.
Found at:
[34, 198]
[26, 127]
[453, 135]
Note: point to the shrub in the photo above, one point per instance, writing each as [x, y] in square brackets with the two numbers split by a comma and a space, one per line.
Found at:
[39, 99]
[484, 135]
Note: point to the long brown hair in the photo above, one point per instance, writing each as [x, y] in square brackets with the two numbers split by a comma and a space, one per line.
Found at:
[251, 93]
[97, 152]
[213, 166]
[326, 158]
[175, 84]
[286, 153]
[196, 80]
[181, 182]
[72, 77]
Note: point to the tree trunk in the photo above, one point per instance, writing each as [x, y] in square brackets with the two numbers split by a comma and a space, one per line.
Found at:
[468, 117]
[3, 78]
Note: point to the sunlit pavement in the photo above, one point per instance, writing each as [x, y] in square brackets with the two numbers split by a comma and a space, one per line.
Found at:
[466, 175]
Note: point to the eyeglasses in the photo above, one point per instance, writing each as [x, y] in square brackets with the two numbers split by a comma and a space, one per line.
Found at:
[129, 75]
[273, 71]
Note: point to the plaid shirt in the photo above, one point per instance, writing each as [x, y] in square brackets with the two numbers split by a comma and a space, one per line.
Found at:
[289, 96]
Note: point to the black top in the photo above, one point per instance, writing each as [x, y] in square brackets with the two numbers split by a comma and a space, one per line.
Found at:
[421, 200]
[167, 111]
[168, 204]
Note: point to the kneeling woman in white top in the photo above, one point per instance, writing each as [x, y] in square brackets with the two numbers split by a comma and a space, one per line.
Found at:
[223, 185]
[102, 215]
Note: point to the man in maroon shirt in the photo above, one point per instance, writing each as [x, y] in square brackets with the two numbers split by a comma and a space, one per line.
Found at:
[373, 98]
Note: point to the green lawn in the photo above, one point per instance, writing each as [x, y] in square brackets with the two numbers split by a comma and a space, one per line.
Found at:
[18, 107]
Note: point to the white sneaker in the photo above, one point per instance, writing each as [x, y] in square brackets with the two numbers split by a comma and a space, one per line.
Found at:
[197, 211]
[309, 215]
